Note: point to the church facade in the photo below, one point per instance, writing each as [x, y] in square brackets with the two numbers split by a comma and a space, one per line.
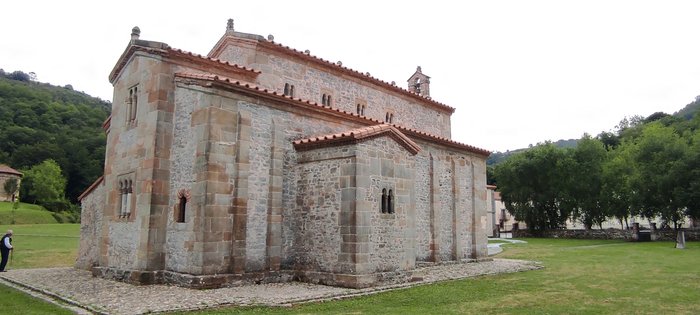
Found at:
[262, 163]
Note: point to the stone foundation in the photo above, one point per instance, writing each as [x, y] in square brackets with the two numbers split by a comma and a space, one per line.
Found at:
[140, 277]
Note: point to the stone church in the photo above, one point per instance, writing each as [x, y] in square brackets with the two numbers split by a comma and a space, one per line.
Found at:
[262, 163]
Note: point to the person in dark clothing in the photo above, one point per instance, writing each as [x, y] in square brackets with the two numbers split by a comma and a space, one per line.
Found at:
[5, 248]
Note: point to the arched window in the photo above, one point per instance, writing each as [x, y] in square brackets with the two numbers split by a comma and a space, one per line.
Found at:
[291, 90]
[384, 201]
[132, 105]
[125, 193]
[386, 119]
[358, 109]
[286, 89]
[323, 99]
[181, 209]
[390, 202]
[391, 118]
[328, 100]
[362, 111]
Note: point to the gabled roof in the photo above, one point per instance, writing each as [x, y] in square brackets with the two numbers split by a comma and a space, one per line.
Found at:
[4, 169]
[355, 136]
[165, 50]
[332, 65]
[92, 187]
[213, 80]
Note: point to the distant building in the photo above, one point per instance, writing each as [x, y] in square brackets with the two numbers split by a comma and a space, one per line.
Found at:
[7, 173]
[259, 162]
[497, 216]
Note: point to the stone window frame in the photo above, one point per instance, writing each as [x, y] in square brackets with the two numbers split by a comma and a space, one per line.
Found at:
[180, 209]
[387, 203]
[125, 202]
[289, 90]
[326, 98]
[389, 118]
[361, 105]
[132, 101]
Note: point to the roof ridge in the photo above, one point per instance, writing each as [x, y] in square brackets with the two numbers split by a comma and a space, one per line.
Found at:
[356, 135]
[366, 75]
[422, 134]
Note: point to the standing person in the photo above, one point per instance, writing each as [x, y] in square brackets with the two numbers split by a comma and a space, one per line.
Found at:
[5, 248]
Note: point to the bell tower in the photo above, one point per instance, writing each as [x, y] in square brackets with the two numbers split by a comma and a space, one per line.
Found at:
[419, 83]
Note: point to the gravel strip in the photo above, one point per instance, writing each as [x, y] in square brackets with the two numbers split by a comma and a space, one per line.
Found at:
[111, 297]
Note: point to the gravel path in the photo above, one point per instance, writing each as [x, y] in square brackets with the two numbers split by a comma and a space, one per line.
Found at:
[97, 295]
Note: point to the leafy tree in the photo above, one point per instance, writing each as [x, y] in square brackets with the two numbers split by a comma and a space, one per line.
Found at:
[658, 157]
[615, 196]
[689, 189]
[44, 184]
[584, 183]
[39, 121]
[530, 185]
[11, 186]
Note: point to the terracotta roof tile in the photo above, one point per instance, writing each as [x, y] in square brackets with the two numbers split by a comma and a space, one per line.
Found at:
[223, 62]
[4, 169]
[360, 74]
[92, 187]
[357, 135]
[308, 103]
[167, 50]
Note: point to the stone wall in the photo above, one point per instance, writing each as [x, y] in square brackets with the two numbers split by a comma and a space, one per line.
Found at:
[3, 178]
[139, 150]
[317, 215]
[180, 235]
[610, 234]
[384, 164]
[312, 81]
[90, 228]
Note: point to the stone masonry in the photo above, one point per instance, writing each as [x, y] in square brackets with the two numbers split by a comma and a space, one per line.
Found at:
[261, 163]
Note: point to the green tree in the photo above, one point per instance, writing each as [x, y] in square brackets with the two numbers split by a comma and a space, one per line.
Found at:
[11, 186]
[44, 184]
[583, 185]
[659, 160]
[530, 185]
[615, 196]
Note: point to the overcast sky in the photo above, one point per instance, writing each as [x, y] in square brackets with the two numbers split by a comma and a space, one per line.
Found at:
[518, 72]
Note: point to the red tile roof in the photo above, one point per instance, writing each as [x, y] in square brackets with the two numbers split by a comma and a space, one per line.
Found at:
[328, 109]
[92, 187]
[166, 50]
[362, 76]
[4, 169]
[357, 135]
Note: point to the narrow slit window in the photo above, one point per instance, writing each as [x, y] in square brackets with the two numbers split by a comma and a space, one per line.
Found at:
[390, 202]
[384, 201]
[181, 207]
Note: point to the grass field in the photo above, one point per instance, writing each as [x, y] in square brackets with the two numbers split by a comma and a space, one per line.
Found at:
[43, 245]
[25, 214]
[37, 246]
[580, 277]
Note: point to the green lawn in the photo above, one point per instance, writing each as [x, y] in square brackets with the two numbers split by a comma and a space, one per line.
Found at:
[25, 214]
[581, 277]
[43, 245]
[37, 246]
